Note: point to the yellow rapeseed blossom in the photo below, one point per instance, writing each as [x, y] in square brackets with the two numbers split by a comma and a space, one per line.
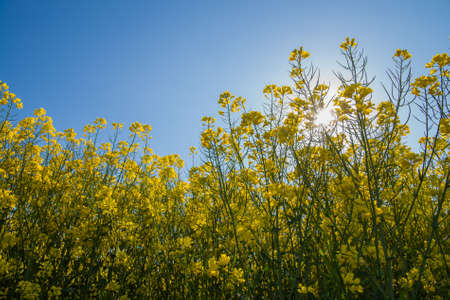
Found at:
[273, 206]
[298, 54]
[404, 54]
[348, 44]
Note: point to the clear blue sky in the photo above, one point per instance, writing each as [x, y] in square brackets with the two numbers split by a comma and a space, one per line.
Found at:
[165, 63]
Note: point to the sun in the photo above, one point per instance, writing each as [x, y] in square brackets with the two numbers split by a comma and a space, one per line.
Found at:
[324, 117]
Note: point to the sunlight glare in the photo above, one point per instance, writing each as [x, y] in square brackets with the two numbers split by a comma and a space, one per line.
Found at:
[324, 117]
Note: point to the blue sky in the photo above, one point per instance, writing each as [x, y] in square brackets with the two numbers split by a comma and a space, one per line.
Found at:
[164, 63]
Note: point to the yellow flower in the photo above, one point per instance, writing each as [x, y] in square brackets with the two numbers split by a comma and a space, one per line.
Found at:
[238, 275]
[402, 54]
[117, 126]
[39, 112]
[223, 260]
[298, 54]
[441, 60]
[347, 44]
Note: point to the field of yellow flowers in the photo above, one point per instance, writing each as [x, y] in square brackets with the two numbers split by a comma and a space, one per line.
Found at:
[279, 207]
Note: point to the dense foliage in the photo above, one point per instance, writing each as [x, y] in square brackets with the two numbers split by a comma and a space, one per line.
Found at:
[280, 206]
